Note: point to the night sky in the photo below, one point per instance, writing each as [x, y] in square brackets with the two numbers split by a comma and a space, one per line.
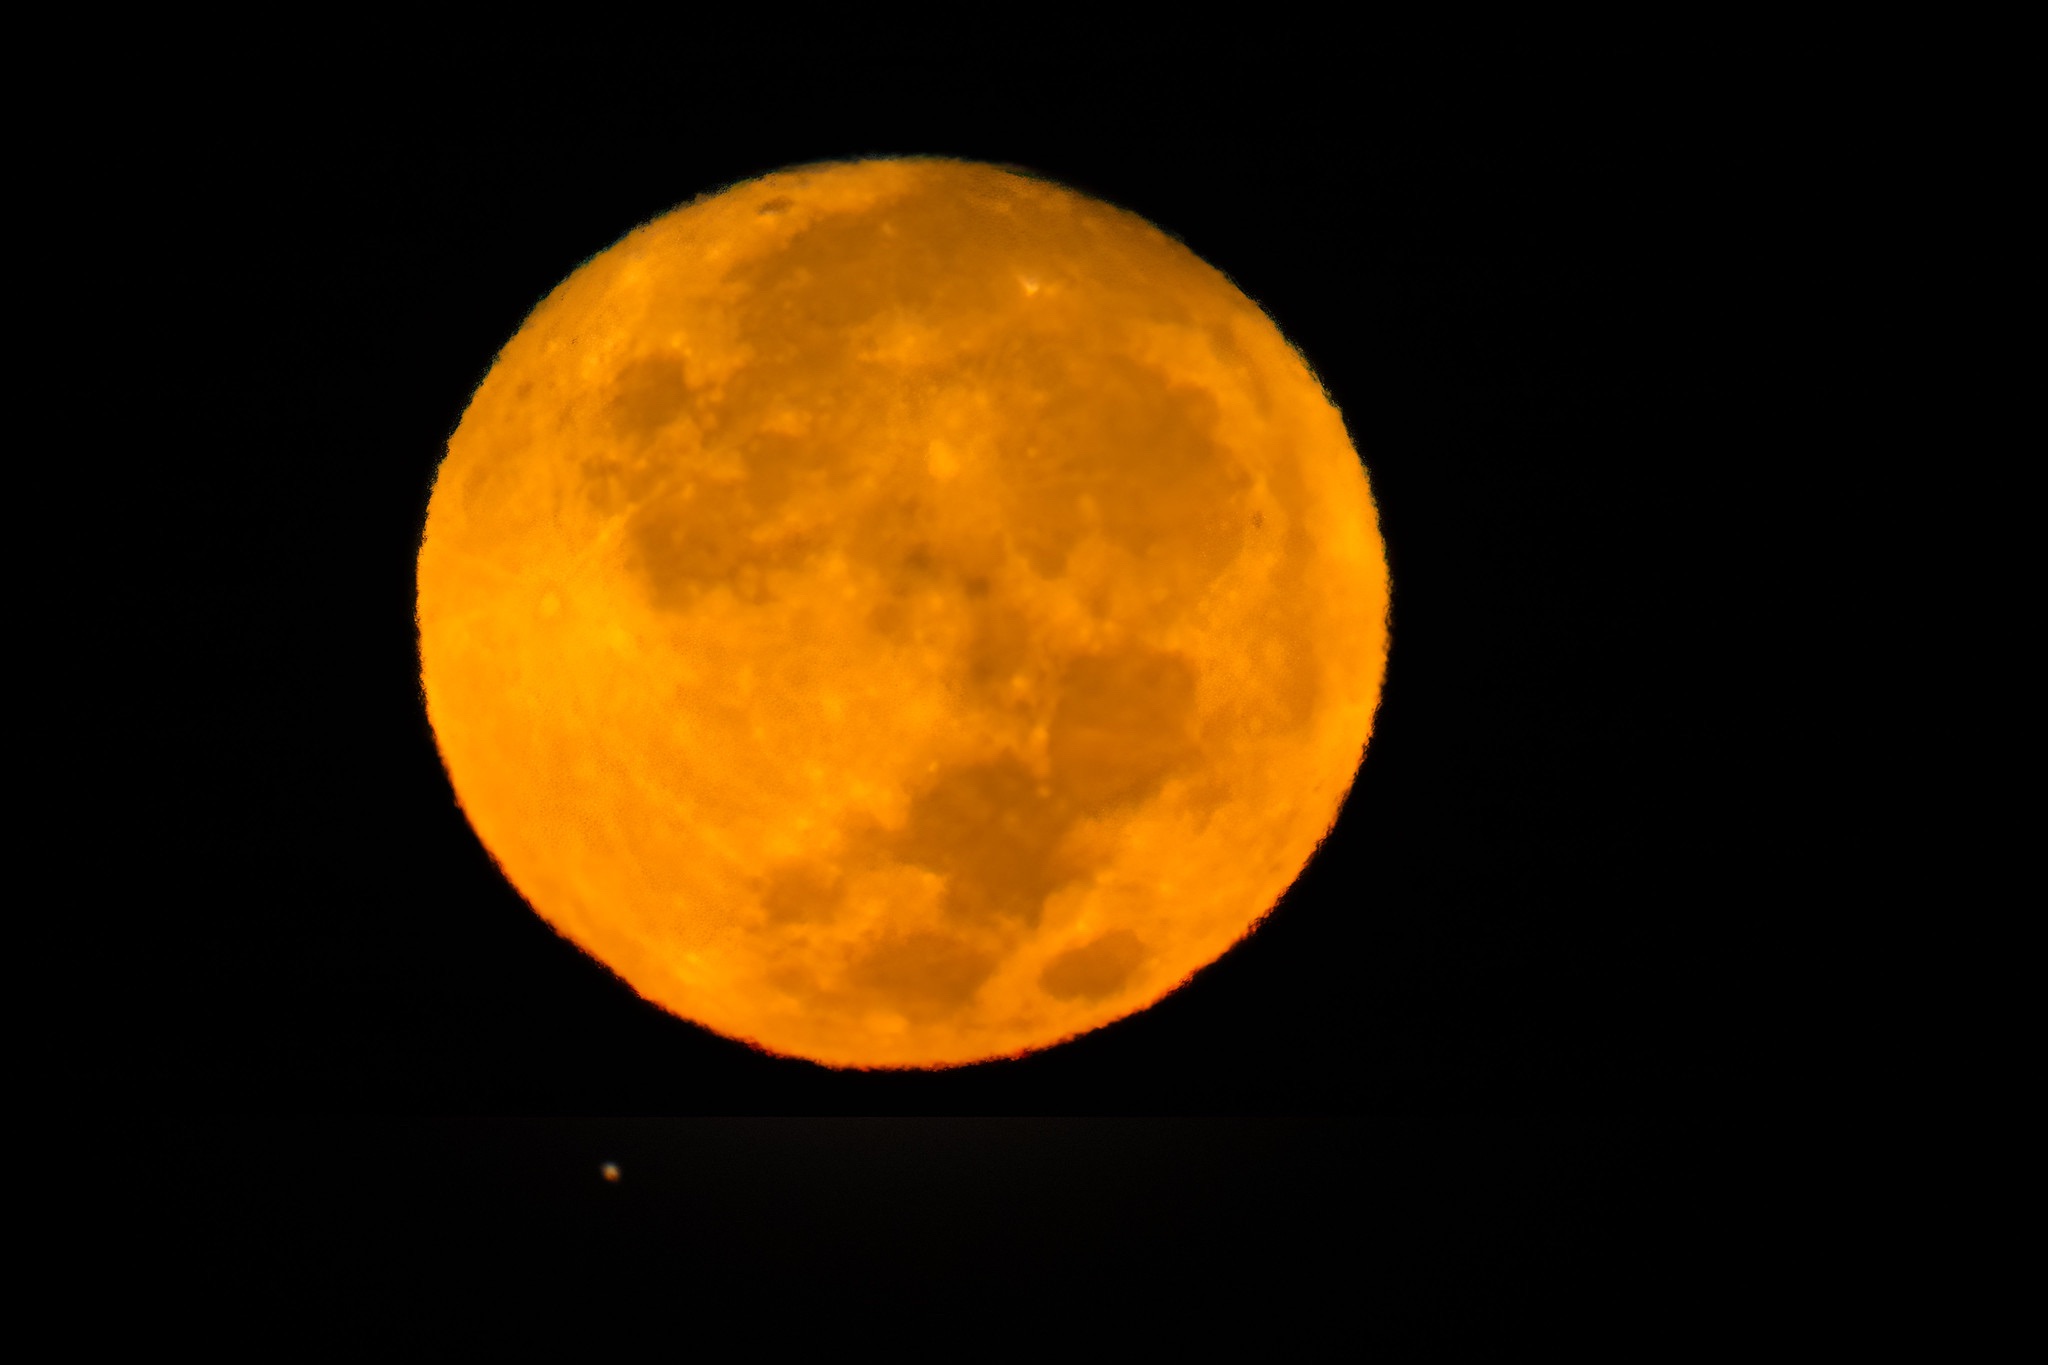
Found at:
[1429, 1083]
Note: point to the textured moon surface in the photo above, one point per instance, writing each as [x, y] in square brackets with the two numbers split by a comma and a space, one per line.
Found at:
[901, 612]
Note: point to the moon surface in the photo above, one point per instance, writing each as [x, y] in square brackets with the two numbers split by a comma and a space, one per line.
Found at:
[900, 613]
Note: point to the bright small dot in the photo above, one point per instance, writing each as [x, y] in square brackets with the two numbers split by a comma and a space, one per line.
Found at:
[610, 1170]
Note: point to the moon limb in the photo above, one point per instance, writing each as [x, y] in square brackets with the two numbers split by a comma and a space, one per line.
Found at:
[901, 613]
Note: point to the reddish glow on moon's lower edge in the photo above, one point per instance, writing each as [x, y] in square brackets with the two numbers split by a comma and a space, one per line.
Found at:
[901, 613]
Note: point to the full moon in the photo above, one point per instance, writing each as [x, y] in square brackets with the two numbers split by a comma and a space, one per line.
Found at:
[901, 613]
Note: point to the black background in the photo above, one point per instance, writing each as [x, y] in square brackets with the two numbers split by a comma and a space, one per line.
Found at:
[1426, 1093]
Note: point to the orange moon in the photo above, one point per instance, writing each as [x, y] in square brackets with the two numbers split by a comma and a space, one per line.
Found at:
[901, 612]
